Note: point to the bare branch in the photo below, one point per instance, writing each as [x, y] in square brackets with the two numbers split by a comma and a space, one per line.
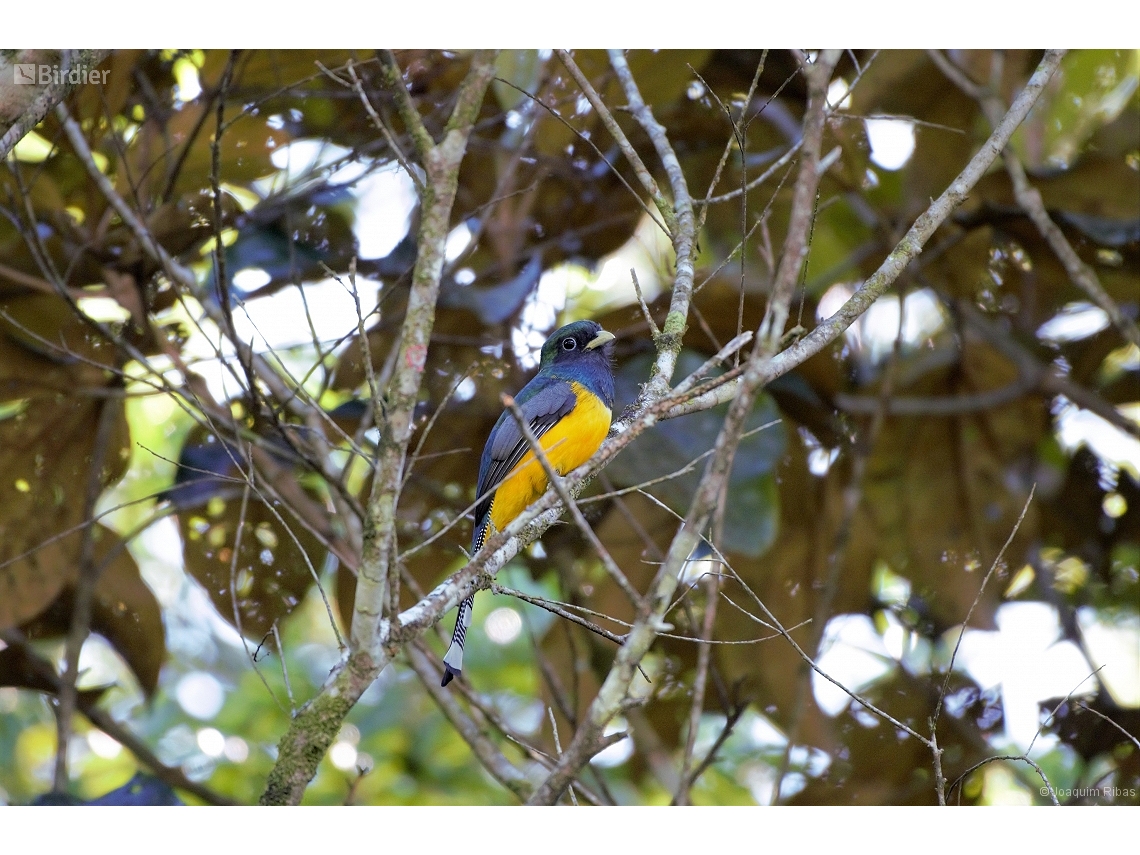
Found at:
[441, 162]
[1130, 737]
[704, 652]
[803, 199]
[905, 251]
[683, 232]
[89, 572]
[1052, 793]
[627, 149]
[172, 775]
[1029, 200]
[488, 753]
[313, 729]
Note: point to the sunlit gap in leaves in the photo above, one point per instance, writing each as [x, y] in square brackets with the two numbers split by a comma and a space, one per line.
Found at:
[185, 68]
[620, 751]
[837, 93]
[523, 714]
[1026, 659]
[1113, 640]
[1110, 639]
[382, 199]
[383, 195]
[343, 753]
[571, 291]
[503, 625]
[100, 665]
[103, 745]
[701, 562]
[1117, 450]
[200, 695]
[194, 630]
[211, 742]
[648, 252]
[753, 754]
[1074, 322]
[854, 655]
[283, 322]
[872, 337]
[458, 239]
[283, 319]
[819, 456]
[538, 317]
[892, 142]
[103, 309]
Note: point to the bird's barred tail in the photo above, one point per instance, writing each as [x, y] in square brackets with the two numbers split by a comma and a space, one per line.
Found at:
[453, 659]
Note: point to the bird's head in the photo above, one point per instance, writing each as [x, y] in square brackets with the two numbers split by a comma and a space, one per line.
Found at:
[581, 341]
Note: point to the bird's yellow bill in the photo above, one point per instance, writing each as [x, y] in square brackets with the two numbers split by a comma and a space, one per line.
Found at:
[601, 338]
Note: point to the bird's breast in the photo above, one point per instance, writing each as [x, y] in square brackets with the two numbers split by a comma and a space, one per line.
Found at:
[567, 445]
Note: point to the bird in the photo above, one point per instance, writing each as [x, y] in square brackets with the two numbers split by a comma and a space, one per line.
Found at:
[568, 405]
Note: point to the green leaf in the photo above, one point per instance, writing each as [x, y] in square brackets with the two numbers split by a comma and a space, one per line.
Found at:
[752, 512]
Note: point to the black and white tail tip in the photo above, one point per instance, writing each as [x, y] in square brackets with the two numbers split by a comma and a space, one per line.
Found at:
[453, 659]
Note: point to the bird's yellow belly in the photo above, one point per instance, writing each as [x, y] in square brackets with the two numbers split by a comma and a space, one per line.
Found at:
[567, 445]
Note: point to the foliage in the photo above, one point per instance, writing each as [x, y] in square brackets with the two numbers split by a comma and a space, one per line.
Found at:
[188, 434]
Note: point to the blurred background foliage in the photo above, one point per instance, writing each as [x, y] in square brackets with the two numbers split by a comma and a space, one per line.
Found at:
[882, 479]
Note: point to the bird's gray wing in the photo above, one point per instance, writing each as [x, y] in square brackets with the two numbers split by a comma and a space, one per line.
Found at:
[544, 402]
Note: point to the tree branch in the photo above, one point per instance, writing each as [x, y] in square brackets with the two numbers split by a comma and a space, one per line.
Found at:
[313, 729]
[1029, 200]
[485, 750]
[441, 163]
[683, 232]
[172, 775]
[904, 252]
[803, 204]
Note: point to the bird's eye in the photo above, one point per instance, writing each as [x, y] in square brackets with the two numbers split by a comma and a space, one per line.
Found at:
[569, 344]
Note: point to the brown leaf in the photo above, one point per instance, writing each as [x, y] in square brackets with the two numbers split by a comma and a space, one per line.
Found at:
[19, 669]
[269, 576]
[48, 425]
[124, 611]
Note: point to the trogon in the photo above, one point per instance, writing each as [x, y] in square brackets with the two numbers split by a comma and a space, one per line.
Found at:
[568, 406]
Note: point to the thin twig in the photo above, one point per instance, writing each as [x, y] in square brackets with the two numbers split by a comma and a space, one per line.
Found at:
[1052, 793]
[378, 123]
[172, 775]
[378, 567]
[558, 746]
[904, 252]
[1131, 738]
[653, 330]
[309, 735]
[682, 231]
[969, 612]
[627, 149]
[484, 749]
[1029, 200]
[803, 198]
[89, 571]
[704, 651]
[556, 609]
[1061, 703]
